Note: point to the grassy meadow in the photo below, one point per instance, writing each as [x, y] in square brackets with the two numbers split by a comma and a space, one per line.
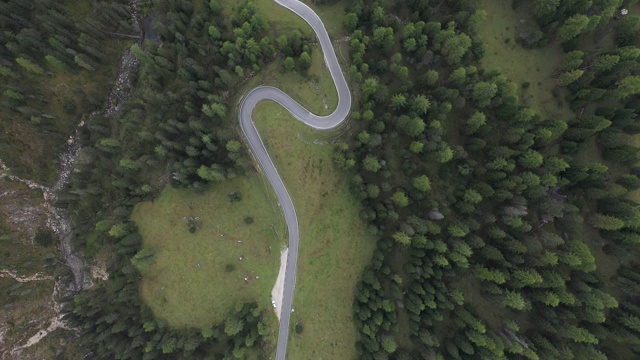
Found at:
[499, 32]
[334, 243]
[315, 92]
[282, 20]
[198, 278]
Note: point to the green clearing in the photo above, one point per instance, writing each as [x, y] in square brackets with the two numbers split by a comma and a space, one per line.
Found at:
[334, 248]
[334, 243]
[519, 64]
[332, 16]
[187, 294]
[282, 20]
[315, 92]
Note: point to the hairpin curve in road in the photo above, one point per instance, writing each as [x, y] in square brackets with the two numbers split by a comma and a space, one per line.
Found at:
[337, 117]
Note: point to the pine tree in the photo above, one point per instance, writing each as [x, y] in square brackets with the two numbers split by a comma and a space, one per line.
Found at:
[475, 122]
[570, 76]
[388, 344]
[400, 199]
[30, 66]
[629, 86]
[514, 300]
[411, 126]
[531, 159]
[371, 163]
[491, 275]
[572, 60]
[606, 222]
[56, 62]
[543, 9]
[305, 61]
[422, 183]
[483, 92]
[398, 101]
[84, 62]
[572, 27]
[289, 64]
[472, 196]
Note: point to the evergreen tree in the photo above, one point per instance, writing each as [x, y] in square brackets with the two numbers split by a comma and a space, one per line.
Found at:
[572, 27]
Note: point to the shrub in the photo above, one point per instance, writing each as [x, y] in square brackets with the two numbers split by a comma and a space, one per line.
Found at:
[44, 237]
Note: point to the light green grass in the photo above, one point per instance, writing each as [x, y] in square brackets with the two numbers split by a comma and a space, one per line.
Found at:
[282, 20]
[520, 64]
[184, 294]
[334, 244]
[332, 16]
[315, 92]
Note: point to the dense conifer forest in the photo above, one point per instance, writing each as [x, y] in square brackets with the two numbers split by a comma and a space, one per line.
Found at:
[492, 228]
[174, 128]
[46, 58]
[503, 233]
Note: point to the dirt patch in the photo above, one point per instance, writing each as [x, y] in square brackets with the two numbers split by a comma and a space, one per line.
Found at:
[278, 289]
[34, 277]
[21, 208]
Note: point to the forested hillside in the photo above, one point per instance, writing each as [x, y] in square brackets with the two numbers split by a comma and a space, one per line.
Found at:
[50, 56]
[176, 128]
[58, 61]
[504, 234]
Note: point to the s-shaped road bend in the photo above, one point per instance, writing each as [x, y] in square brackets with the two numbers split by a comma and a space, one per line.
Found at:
[260, 152]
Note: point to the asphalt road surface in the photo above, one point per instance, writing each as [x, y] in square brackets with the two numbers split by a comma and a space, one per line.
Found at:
[260, 152]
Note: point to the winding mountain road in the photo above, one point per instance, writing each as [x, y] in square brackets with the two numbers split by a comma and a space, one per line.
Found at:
[260, 152]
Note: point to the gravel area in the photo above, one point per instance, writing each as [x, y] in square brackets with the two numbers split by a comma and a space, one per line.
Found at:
[277, 294]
